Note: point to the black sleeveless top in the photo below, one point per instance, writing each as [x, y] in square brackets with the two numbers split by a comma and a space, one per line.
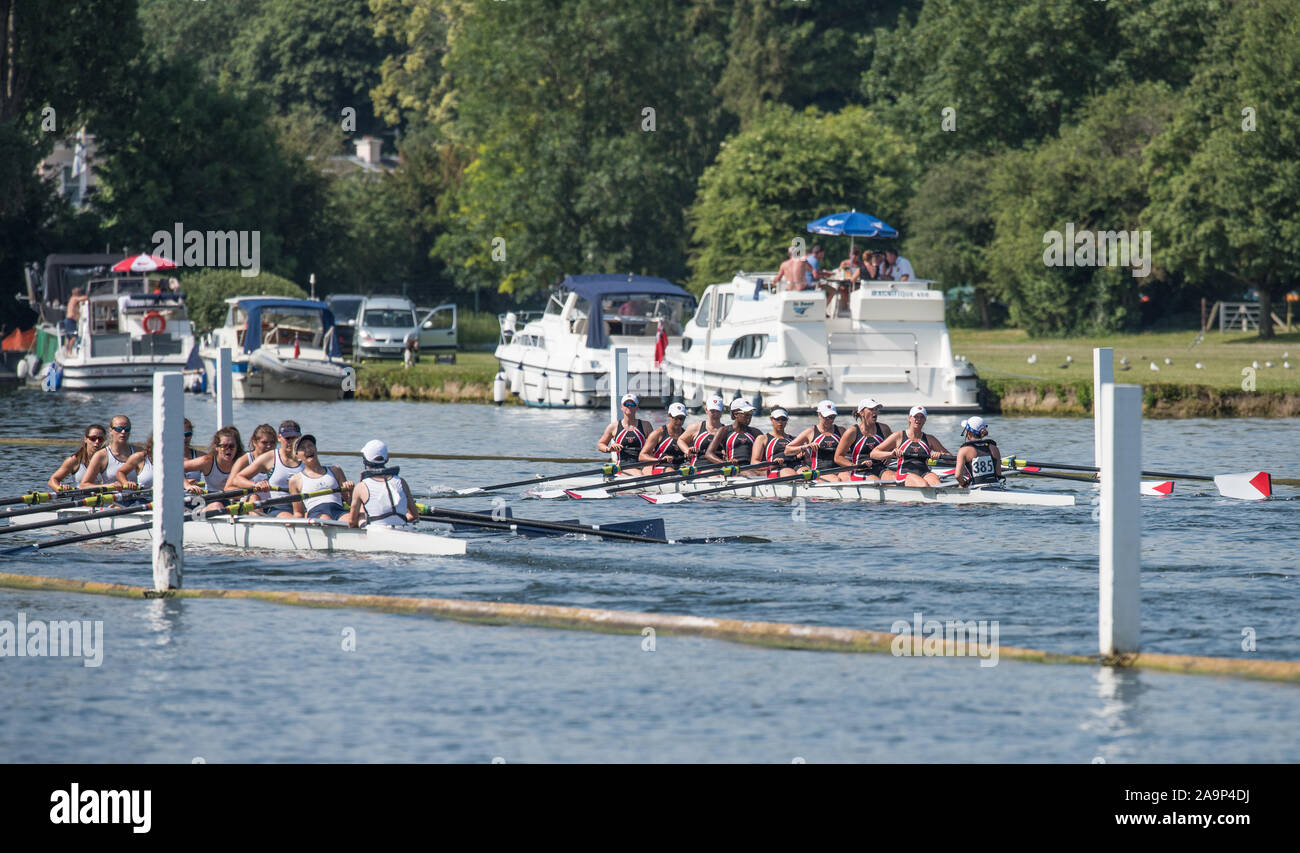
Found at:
[861, 454]
[916, 456]
[774, 450]
[826, 442]
[632, 439]
[981, 469]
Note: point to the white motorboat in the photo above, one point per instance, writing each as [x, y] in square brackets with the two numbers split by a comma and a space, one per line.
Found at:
[277, 534]
[281, 349]
[881, 339]
[563, 357]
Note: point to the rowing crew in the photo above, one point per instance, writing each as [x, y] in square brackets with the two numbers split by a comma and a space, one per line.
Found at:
[869, 449]
[293, 467]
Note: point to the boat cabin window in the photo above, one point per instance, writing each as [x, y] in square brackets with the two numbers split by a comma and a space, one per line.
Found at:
[748, 346]
[282, 326]
[388, 318]
[638, 314]
[702, 315]
[103, 316]
[555, 305]
[578, 317]
[727, 299]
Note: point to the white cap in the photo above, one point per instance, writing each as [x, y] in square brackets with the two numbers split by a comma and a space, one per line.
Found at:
[715, 404]
[918, 410]
[869, 403]
[974, 425]
[676, 410]
[742, 404]
[779, 412]
[826, 409]
[629, 398]
[375, 451]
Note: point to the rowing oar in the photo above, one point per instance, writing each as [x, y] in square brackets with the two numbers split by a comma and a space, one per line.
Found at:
[46, 497]
[675, 475]
[110, 513]
[609, 469]
[101, 499]
[198, 514]
[523, 525]
[1248, 486]
[678, 497]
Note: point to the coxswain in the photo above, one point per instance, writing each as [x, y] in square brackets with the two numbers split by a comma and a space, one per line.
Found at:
[92, 439]
[661, 446]
[773, 448]
[216, 466]
[818, 443]
[735, 443]
[104, 465]
[625, 438]
[382, 497]
[913, 448]
[279, 464]
[979, 462]
[697, 438]
[854, 450]
[315, 477]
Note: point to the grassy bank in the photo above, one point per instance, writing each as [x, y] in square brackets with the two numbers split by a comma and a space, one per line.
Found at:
[1218, 388]
[469, 380]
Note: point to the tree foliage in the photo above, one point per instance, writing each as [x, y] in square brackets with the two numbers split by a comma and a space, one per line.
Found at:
[207, 290]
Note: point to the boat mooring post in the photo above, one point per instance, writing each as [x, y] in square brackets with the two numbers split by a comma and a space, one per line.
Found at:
[617, 384]
[1120, 551]
[169, 481]
[225, 393]
[1103, 373]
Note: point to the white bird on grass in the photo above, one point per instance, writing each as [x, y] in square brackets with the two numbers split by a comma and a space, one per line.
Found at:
[1255, 364]
[1168, 360]
[1268, 364]
[1123, 360]
[1033, 359]
[1287, 365]
[1153, 367]
[1200, 366]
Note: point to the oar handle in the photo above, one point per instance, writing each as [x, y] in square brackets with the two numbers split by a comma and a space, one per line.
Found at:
[1021, 463]
[682, 472]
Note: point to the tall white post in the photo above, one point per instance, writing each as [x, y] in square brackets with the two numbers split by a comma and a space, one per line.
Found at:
[168, 481]
[1120, 552]
[225, 391]
[1103, 373]
[617, 383]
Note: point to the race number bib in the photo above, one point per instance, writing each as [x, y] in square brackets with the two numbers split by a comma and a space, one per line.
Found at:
[982, 466]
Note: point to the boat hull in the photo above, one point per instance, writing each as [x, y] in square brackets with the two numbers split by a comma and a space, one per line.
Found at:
[302, 381]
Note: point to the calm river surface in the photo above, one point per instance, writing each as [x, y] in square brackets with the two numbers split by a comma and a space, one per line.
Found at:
[244, 681]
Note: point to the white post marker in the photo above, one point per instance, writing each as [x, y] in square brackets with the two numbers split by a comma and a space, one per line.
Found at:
[1103, 373]
[168, 481]
[1120, 551]
[225, 391]
[617, 383]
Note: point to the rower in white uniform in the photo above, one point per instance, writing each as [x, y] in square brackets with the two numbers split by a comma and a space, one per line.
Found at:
[216, 466]
[138, 471]
[315, 477]
[279, 465]
[103, 466]
[381, 497]
[75, 466]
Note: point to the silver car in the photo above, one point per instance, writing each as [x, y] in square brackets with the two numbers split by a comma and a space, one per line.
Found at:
[385, 323]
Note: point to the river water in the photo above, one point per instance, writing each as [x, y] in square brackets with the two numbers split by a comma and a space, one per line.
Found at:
[246, 681]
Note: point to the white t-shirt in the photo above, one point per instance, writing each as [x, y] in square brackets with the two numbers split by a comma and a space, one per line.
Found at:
[903, 267]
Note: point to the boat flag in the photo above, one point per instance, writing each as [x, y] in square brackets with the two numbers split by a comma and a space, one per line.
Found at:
[297, 350]
[661, 344]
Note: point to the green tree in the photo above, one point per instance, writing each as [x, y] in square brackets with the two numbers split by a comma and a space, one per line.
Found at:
[785, 170]
[1091, 176]
[1225, 177]
[207, 290]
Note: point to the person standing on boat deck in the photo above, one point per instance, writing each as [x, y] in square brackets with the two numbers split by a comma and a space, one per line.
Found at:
[383, 496]
[819, 442]
[859, 440]
[661, 446]
[625, 437]
[774, 447]
[312, 478]
[695, 441]
[103, 466]
[900, 268]
[979, 462]
[795, 272]
[736, 442]
[92, 439]
[216, 466]
[279, 465]
[913, 449]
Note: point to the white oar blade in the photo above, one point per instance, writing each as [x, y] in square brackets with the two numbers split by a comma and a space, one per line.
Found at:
[1157, 488]
[1250, 486]
[473, 491]
[548, 494]
[673, 498]
[589, 494]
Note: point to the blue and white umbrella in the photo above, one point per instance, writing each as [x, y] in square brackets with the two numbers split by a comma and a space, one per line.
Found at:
[853, 224]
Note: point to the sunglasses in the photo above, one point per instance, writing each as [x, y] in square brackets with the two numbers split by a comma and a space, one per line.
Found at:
[225, 447]
[120, 429]
[189, 433]
[629, 405]
[781, 419]
[99, 437]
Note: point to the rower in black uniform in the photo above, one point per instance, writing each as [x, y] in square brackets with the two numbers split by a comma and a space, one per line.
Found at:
[735, 443]
[661, 447]
[819, 442]
[979, 462]
[626, 437]
[859, 440]
[911, 450]
[772, 448]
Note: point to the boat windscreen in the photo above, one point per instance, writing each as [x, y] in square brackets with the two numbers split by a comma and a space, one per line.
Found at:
[638, 314]
[284, 326]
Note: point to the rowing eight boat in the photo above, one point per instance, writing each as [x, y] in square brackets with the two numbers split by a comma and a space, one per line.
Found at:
[862, 492]
[280, 534]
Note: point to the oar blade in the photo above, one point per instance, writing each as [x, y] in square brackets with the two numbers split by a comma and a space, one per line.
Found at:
[674, 498]
[722, 540]
[1157, 488]
[589, 494]
[651, 527]
[1249, 486]
[548, 494]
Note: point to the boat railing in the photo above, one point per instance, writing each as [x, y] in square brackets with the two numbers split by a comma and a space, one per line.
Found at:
[510, 321]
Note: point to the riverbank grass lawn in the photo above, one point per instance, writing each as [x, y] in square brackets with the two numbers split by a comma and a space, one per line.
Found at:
[469, 380]
[1003, 354]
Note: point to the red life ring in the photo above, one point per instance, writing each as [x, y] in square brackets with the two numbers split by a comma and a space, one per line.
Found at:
[152, 319]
